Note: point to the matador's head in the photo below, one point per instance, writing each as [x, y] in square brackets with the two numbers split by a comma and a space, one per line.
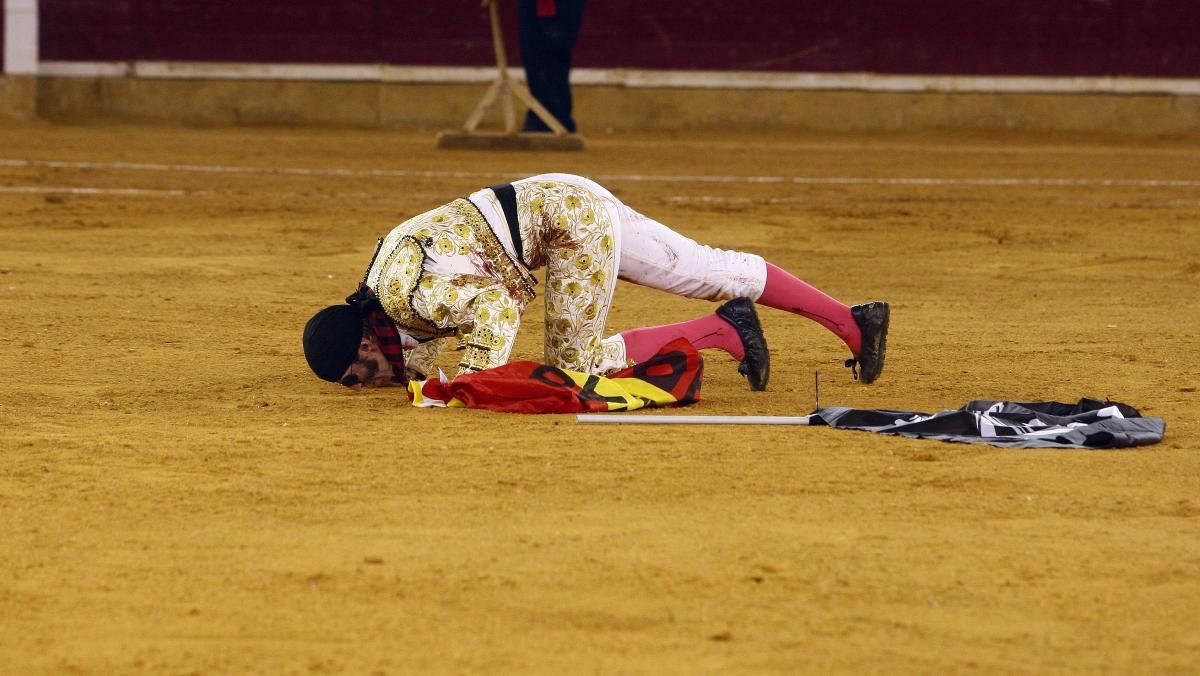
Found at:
[341, 346]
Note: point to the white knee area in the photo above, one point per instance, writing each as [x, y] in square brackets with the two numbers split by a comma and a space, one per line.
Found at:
[654, 255]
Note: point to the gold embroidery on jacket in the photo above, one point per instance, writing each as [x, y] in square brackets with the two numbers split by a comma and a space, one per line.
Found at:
[512, 275]
[406, 264]
[426, 304]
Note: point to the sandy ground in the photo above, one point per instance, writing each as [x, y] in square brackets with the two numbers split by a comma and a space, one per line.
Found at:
[178, 494]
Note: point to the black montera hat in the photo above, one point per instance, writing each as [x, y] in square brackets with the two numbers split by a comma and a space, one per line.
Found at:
[331, 340]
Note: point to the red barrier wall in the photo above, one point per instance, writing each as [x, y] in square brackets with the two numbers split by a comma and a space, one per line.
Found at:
[1156, 38]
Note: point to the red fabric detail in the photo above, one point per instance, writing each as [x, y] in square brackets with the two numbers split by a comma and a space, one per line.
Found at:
[546, 8]
[703, 333]
[529, 387]
[785, 292]
[386, 333]
[522, 387]
[388, 337]
[654, 370]
[677, 368]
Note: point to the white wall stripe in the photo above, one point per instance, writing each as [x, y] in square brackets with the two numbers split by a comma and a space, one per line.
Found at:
[628, 178]
[630, 77]
[83, 68]
[20, 55]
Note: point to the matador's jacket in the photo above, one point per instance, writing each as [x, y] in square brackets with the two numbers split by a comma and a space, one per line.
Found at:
[462, 271]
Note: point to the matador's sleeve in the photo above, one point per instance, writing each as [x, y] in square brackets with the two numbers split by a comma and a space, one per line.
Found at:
[497, 318]
[422, 359]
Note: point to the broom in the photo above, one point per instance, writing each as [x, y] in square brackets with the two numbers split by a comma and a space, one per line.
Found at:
[504, 89]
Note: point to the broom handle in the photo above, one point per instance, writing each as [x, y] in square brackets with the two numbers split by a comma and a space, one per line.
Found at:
[498, 39]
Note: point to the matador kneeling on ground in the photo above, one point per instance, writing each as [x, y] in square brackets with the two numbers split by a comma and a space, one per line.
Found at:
[462, 272]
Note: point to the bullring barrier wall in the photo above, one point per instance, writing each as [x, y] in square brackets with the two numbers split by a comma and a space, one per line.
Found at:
[1122, 65]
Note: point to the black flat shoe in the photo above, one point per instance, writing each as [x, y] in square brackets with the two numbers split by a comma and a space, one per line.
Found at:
[872, 319]
[756, 365]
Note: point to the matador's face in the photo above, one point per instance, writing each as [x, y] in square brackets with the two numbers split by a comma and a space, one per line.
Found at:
[372, 368]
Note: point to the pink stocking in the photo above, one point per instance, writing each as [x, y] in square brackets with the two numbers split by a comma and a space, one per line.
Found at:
[785, 292]
[703, 333]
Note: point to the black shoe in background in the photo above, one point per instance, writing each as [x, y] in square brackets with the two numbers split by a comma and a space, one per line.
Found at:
[872, 319]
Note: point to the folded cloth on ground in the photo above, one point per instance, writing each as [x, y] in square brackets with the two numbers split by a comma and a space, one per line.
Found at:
[669, 378]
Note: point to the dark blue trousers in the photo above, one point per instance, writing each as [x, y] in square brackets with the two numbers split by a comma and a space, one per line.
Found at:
[547, 43]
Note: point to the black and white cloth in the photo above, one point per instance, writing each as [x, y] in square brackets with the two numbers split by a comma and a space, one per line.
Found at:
[1049, 424]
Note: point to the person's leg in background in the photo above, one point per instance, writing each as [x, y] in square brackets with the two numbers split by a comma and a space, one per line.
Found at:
[548, 32]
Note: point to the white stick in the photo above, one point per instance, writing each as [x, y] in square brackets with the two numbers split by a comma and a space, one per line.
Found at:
[20, 56]
[691, 419]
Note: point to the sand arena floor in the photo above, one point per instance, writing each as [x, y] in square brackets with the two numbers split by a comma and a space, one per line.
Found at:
[179, 495]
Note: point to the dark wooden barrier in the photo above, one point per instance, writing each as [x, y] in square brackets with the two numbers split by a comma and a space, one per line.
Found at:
[1154, 38]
